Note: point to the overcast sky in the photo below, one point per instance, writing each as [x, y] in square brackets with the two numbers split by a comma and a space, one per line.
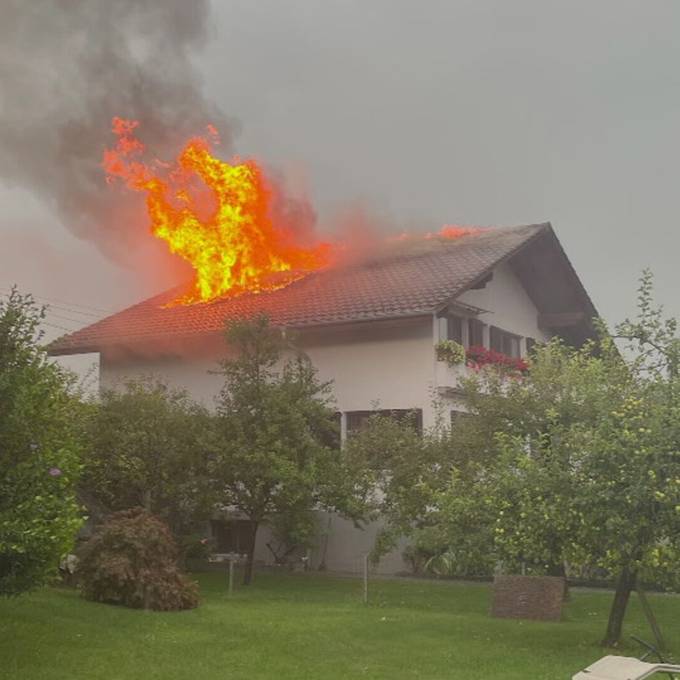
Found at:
[467, 112]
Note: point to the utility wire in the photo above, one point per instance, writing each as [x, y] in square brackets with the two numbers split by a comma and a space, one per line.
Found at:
[69, 305]
[54, 325]
[51, 316]
[80, 322]
[81, 308]
[75, 311]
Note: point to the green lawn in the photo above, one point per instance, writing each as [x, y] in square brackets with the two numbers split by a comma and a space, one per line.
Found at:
[307, 627]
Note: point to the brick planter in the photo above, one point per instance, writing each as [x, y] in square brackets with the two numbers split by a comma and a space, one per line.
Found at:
[528, 597]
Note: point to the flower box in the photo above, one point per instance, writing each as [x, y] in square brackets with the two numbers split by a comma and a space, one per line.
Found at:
[478, 356]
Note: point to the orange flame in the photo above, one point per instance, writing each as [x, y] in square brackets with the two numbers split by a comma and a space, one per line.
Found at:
[226, 233]
[455, 231]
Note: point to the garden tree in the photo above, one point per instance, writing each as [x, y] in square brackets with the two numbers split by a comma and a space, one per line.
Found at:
[447, 472]
[40, 445]
[148, 447]
[597, 484]
[519, 448]
[651, 338]
[275, 425]
[293, 531]
[627, 473]
[394, 471]
[629, 469]
[403, 478]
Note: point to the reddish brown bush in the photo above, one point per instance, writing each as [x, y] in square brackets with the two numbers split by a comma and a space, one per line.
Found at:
[131, 560]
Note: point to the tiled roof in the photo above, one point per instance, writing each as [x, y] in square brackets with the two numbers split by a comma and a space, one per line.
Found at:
[407, 278]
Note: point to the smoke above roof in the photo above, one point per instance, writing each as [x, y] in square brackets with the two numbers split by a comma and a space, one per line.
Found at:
[68, 66]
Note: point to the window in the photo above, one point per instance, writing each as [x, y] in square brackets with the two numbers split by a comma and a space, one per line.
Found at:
[530, 343]
[504, 342]
[454, 329]
[469, 332]
[357, 420]
[475, 333]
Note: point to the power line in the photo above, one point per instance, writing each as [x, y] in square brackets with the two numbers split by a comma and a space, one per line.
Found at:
[69, 305]
[54, 325]
[51, 315]
[80, 322]
[75, 311]
[52, 319]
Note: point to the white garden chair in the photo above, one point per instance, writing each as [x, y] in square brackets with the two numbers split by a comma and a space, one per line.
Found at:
[628, 668]
[624, 668]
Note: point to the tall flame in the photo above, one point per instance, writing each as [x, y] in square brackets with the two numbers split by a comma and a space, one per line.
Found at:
[215, 215]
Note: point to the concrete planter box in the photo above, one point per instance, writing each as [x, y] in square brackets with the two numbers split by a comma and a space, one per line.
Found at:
[528, 597]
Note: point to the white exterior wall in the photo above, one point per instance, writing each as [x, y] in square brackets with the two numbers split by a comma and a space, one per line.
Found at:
[505, 304]
[190, 373]
[508, 305]
[389, 367]
[371, 365]
[386, 365]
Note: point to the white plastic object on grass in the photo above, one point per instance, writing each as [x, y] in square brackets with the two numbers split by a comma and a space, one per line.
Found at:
[623, 668]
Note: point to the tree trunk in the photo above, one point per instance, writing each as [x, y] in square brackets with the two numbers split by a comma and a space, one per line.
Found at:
[322, 563]
[624, 586]
[248, 571]
[559, 570]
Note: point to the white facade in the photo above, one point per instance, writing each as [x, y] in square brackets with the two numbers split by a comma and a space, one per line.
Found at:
[373, 365]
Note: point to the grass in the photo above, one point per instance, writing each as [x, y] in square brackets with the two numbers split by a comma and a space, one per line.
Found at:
[300, 626]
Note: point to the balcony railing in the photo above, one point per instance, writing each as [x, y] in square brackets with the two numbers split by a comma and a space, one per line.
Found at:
[449, 376]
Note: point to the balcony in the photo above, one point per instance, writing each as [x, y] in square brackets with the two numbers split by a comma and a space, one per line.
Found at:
[448, 377]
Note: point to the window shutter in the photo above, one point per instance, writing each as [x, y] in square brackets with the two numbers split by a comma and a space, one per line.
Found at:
[475, 333]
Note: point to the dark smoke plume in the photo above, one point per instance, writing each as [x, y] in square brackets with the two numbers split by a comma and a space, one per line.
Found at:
[66, 68]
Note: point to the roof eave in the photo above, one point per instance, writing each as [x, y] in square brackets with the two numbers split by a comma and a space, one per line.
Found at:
[130, 344]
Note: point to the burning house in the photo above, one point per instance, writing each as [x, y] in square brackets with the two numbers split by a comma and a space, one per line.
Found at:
[370, 323]
[370, 326]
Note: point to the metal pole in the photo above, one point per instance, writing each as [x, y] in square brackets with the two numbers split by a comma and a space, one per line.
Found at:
[366, 578]
[231, 577]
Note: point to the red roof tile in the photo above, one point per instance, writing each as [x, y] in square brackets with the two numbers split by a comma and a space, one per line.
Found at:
[408, 278]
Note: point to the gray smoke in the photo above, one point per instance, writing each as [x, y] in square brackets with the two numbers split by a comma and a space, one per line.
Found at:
[66, 68]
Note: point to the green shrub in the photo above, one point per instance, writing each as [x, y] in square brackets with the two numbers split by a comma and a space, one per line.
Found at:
[40, 446]
[131, 560]
[196, 546]
[417, 558]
